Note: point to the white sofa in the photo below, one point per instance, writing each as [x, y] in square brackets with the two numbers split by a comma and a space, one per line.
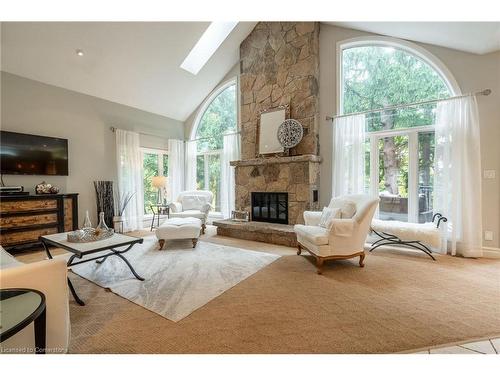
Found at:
[50, 278]
[346, 236]
[193, 203]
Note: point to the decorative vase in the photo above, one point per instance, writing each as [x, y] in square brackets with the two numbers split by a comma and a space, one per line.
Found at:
[105, 201]
[102, 224]
[86, 223]
[118, 224]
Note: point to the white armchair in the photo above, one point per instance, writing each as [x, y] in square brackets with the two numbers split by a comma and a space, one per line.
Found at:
[50, 278]
[344, 239]
[193, 203]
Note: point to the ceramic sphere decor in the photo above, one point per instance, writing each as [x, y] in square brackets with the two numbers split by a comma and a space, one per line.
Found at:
[290, 133]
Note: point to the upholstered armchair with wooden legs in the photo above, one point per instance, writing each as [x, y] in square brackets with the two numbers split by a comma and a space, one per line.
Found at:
[344, 238]
[194, 203]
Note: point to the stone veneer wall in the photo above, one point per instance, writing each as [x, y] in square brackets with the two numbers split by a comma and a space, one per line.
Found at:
[297, 175]
[280, 65]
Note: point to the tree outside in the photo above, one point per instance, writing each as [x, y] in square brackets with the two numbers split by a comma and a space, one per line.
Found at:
[218, 118]
[150, 168]
[376, 77]
[151, 163]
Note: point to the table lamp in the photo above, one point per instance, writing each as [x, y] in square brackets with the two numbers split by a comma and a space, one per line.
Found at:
[159, 182]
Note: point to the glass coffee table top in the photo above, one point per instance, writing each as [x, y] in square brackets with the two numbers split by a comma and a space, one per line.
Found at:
[18, 306]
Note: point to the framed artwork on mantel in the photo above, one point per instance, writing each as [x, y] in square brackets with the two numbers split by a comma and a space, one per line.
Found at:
[267, 131]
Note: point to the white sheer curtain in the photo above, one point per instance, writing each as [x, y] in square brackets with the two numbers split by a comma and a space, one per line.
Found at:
[175, 168]
[457, 175]
[190, 177]
[230, 152]
[349, 155]
[129, 168]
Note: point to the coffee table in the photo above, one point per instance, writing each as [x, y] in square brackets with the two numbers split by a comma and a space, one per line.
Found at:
[116, 245]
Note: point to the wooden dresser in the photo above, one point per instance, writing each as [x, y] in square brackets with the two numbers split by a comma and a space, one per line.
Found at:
[25, 218]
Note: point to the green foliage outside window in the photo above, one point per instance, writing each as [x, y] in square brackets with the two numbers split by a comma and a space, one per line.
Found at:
[375, 77]
[150, 168]
[218, 118]
[151, 163]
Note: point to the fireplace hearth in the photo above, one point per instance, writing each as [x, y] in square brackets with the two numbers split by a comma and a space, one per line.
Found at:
[270, 207]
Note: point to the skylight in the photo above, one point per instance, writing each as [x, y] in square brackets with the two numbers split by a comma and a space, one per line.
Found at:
[206, 46]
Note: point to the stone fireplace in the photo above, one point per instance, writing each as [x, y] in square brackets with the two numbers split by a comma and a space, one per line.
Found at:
[279, 66]
[298, 176]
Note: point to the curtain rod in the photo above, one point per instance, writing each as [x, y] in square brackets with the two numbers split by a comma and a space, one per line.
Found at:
[113, 129]
[484, 92]
[207, 138]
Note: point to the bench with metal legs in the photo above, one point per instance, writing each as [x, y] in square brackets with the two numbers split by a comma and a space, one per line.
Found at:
[392, 239]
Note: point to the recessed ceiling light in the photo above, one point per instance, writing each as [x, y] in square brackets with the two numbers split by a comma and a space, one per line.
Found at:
[79, 52]
[206, 46]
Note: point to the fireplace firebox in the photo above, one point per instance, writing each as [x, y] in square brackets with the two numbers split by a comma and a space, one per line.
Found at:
[270, 207]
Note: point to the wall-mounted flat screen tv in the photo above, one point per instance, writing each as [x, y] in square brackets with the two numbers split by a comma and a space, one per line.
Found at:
[33, 154]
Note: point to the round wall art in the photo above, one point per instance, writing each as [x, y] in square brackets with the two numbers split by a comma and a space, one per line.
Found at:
[290, 133]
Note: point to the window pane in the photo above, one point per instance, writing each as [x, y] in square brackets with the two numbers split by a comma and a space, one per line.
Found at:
[165, 164]
[200, 172]
[367, 166]
[425, 176]
[393, 178]
[150, 167]
[218, 118]
[375, 77]
[214, 180]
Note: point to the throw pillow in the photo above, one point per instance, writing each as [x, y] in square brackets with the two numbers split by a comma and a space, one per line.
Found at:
[346, 206]
[327, 216]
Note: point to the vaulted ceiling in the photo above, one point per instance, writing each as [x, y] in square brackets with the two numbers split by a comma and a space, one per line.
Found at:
[474, 37]
[132, 63]
[138, 63]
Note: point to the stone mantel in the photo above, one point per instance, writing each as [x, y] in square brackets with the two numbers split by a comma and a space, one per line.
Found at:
[277, 160]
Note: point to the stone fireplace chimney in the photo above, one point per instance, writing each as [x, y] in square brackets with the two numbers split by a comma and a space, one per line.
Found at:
[280, 66]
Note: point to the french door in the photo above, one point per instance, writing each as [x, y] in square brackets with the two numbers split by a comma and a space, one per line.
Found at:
[400, 170]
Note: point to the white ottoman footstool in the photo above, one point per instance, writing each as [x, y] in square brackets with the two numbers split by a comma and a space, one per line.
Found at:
[179, 228]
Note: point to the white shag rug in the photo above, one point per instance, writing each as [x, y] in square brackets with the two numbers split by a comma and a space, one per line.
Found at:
[178, 279]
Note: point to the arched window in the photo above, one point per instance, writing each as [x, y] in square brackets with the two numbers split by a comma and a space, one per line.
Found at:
[380, 73]
[217, 117]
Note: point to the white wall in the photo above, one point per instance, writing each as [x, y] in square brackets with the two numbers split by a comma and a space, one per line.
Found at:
[32, 107]
[472, 72]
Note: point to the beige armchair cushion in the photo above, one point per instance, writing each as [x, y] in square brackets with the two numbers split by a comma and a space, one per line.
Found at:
[190, 213]
[314, 234]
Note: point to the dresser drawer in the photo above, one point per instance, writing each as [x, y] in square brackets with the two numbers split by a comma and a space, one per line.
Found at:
[68, 214]
[14, 238]
[28, 205]
[24, 221]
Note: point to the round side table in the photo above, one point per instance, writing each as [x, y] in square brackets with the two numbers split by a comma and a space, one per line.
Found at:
[20, 307]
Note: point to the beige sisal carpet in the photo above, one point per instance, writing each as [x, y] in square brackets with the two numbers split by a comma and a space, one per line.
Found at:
[397, 302]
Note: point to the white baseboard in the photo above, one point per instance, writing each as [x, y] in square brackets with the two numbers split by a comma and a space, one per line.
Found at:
[491, 252]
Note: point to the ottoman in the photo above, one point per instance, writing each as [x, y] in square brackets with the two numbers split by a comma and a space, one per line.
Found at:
[179, 228]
